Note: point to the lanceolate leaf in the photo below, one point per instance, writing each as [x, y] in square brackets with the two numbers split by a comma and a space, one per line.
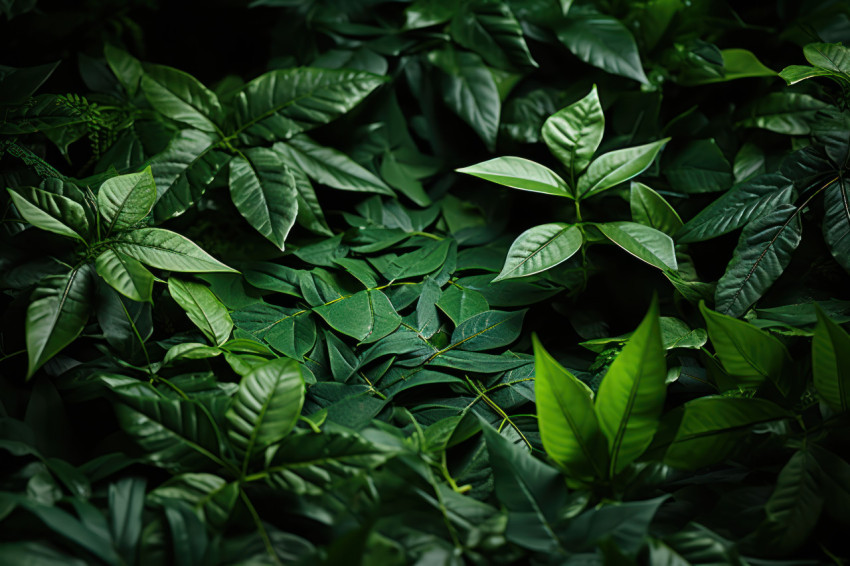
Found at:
[164, 249]
[763, 252]
[650, 209]
[266, 407]
[203, 308]
[491, 30]
[614, 167]
[279, 104]
[540, 248]
[58, 311]
[631, 395]
[645, 243]
[125, 200]
[125, 274]
[182, 97]
[568, 425]
[573, 134]
[836, 221]
[51, 212]
[488, 330]
[520, 173]
[264, 192]
[831, 363]
[712, 426]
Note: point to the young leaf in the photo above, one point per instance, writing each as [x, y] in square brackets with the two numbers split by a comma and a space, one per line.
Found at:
[568, 425]
[51, 212]
[125, 274]
[125, 200]
[749, 354]
[631, 395]
[831, 363]
[164, 249]
[713, 426]
[266, 407]
[645, 243]
[614, 167]
[650, 209]
[57, 314]
[573, 133]
[763, 252]
[366, 316]
[836, 221]
[541, 248]
[182, 97]
[520, 173]
[488, 330]
[263, 190]
[203, 308]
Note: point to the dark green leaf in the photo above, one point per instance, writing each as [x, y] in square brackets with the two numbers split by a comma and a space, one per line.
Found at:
[52, 212]
[366, 316]
[540, 248]
[699, 168]
[164, 249]
[491, 30]
[836, 221]
[125, 200]
[182, 97]
[488, 330]
[831, 363]
[125, 274]
[203, 308]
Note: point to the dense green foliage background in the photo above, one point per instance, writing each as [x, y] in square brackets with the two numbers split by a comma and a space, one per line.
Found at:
[424, 282]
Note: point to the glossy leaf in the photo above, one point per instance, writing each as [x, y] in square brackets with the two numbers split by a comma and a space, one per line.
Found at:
[164, 249]
[784, 113]
[203, 308]
[520, 173]
[266, 407]
[651, 209]
[125, 274]
[541, 248]
[836, 221]
[491, 30]
[58, 311]
[831, 363]
[488, 330]
[612, 168]
[125, 200]
[460, 303]
[631, 395]
[645, 243]
[366, 316]
[182, 97]
[699, 168]
[574, 133]
[52, 212]
[831, 56]
[263, 190]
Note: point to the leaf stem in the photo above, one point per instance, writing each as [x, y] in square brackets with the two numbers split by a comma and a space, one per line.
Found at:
[260, 527]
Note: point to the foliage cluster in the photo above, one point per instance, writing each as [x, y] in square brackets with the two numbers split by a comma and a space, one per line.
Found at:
[289, 317]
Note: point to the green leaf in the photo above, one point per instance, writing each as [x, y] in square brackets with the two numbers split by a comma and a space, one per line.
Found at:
[204, 309]
[713, 426]
[699, 168]
[612, 168]
[520, 173]
[290, 332]
[574, 133]
[279, 104]
[737, 207]
[164, 249]
[460, 303]
[184, 170]
[830, 56]
[788, 113]
[470, 91]
[126, 504]
[491, 30]
[541, 248]
[794, 74]
[329, 166]
[762, 254]
[488, 330]
[631, 396]
[831, 363]
[737, 64]
[651, 209]
[645, 243]
[366, 316]
[125, 200]
[748, 354]
[263, 190]
[266, 407]
[836, 221]
[58, 311]
[51, 212]
[128, 70]
[125, 274]
[568, 425]
[603, 42]
[182, 97]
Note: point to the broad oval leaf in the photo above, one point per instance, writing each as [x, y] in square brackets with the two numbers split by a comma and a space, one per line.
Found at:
[520, 173]
[541, 248]
[279, 104]
[203, 308]
[263, 190]
[651, 209]
[125, 274]
[612, 168]
[366, 316]
[713, 426]
[181, 97]
[165, 249]
[574, 133]
[57, 313]
[647, 244]
[831, 363]
[836, 221]
[266, 407]
[125, 200]
[568, 425]
[631, 396]
[51, 212]
[763, 252]
[488, 330]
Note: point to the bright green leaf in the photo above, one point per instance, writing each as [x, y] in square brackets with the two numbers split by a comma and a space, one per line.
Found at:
[125, 274]
[573, 133]
[612, 168]
[203, 308]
